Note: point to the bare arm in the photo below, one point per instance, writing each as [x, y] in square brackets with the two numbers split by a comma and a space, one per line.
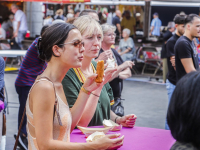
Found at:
[126, 51]
[188, 65]
[120, 68]
[119, 51]
[172, 60]
[125, 74]
[152, 28]
[126, 121]
[92, 101]
[90, 108]
[43, 105]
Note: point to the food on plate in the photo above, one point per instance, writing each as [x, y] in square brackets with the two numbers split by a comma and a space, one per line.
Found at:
[90, 130]
[114, 126]
[95, 136]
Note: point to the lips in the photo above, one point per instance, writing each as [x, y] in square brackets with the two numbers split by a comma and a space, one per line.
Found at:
[80, 58]
[95, 50]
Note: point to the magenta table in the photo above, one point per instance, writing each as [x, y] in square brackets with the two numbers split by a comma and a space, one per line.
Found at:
[137, 138]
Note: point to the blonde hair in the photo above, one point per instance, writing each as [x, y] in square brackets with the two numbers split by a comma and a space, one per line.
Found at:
[86, 22]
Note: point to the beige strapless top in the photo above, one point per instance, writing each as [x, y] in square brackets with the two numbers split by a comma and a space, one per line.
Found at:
[61, 133]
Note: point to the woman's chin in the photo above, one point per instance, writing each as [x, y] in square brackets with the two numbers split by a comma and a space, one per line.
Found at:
[95, 55]
[78, 65]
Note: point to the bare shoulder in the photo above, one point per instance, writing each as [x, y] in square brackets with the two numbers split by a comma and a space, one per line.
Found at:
[43, 92]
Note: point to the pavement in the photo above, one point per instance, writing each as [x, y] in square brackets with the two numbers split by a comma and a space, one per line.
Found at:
[147, 99]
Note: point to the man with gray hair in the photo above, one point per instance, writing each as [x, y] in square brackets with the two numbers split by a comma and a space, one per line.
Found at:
[19, 24]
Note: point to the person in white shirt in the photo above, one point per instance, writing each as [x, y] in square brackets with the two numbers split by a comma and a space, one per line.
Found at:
[19, 24]
[3, 36]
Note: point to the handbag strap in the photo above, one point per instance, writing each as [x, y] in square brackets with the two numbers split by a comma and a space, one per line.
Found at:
[20, 127]
[55, 110]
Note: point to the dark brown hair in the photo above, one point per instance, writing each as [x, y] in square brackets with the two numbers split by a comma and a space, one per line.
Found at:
[55, 34]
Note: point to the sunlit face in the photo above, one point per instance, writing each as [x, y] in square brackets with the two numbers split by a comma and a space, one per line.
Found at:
[195, 28]
[180, 28]
[92, 44]
[72, 52]
[109, 37]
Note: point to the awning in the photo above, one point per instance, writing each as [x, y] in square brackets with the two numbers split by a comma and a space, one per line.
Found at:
[54, 1]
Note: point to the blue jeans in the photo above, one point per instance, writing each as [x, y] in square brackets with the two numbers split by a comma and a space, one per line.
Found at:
[23, 94]
[20, 38]
[170, 89]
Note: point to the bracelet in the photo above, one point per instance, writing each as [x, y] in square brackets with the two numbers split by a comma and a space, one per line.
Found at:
[95, 94]
[116, 119]
[85, 91]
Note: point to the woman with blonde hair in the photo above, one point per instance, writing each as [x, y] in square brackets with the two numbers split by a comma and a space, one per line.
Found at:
[50, 121]
[98, 105]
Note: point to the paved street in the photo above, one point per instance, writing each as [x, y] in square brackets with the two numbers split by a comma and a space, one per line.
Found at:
[148, 101]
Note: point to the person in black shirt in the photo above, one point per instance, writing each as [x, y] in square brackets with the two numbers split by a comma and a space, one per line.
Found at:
[186, 56]
[166, 36]
[116, 22]
[171, 76]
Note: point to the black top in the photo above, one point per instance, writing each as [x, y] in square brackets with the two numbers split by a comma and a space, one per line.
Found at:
[171, 76]
[185, 48]
[115, 21]
[116, 84]
[166, 36]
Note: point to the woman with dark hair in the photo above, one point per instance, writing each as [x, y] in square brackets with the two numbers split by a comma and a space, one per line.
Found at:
[50, 121]
[30, 68]
[183, 115]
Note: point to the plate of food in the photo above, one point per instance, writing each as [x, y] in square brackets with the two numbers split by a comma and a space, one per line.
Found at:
[95, 136]
[113, 126]
[89, 130]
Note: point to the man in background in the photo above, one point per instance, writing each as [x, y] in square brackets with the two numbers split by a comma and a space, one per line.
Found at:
[19, 24]
[129, 22]
[116, 22]
[155, 26]
[166, 36]
[179, 21]
[186, 55]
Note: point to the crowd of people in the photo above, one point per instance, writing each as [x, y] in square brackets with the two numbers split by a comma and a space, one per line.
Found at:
[125, 26]
[62, 62]
[182, 79]
[80, 100]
